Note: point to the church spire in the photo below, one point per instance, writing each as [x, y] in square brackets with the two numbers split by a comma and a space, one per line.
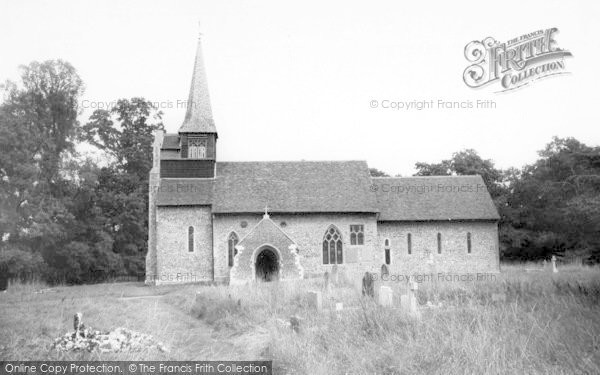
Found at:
[198, 116]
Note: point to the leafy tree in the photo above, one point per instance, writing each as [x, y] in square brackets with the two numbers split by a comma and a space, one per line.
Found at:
[377, 173]
[125, 133]
[38, 123]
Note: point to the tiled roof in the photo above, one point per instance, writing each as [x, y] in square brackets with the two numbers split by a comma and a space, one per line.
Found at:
[331, 186]
[433, 198]
[302, 187]
[170, 142]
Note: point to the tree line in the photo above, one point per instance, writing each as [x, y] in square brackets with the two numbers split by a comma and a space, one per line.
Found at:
[67, 216]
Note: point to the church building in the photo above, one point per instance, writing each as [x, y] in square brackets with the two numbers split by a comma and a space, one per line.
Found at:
[241, 222]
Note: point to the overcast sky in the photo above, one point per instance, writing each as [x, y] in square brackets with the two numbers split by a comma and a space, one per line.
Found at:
[295, 80]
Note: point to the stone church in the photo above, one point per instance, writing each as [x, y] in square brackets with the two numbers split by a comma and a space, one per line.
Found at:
[239, 222]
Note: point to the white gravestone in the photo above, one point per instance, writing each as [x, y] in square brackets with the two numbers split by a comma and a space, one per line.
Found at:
[315, 300]
[386, 296]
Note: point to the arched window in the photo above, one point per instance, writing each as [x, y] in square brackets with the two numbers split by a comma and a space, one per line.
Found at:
[439, 243]
[232, 240]
[469, 242]
[191, 239]
[409, 243]
[332, 246]
[387, 250]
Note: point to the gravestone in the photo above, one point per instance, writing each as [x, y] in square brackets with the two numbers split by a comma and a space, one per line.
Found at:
[3, 277]
[384, 270]
[386, 296]
[315, 300]
[408, 302]
[295, 323]
[334, 274]
[368, 285]
[339, 306]
[326, 282]
[78, 324]
[498, 297]
[553, 260]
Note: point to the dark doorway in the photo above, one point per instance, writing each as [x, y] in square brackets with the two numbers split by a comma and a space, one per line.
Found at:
[267, 265]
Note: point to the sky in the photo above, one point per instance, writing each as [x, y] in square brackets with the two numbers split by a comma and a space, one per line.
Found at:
[297, 80]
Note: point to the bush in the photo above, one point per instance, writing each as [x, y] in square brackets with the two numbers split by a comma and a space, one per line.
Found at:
[21, 264]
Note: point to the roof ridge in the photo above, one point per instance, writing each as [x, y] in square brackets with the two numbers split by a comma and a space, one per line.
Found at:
[436, 176]
[295, 161]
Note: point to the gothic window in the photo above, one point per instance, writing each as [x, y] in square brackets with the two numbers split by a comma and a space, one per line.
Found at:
[332, 246]
[469, 242]
[197, 148]
[409, 243]
[357, 234]
[232, 241]
[191, 239]
[387, 249]
[439, 243]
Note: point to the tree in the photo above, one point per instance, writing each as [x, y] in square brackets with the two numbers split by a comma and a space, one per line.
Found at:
[377, 173]
[125, 133]
[38, 123]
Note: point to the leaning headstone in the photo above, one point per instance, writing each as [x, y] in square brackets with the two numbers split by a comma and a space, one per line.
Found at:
[553, 260]
[385, 296]
[368, 285]
[315, 300]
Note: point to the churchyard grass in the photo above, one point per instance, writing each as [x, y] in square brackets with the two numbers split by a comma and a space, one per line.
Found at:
[518, 322]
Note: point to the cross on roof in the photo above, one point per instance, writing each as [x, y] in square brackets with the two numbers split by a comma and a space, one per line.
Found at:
[266, 215]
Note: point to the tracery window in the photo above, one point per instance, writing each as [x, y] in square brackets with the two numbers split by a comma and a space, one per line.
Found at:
[332, 246]
[197, 148]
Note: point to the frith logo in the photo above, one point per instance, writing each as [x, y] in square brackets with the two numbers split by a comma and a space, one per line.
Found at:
[515, 63]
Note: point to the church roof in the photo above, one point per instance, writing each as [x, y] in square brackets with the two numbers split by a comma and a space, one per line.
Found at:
[170, 142]
[198, 115]
[433, 198]
[291, 187]
[330, 186]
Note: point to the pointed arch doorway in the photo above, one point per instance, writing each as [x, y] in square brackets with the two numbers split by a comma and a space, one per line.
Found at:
[266, 265]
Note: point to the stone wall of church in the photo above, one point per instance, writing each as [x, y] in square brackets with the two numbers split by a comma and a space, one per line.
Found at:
[175, 263]
[307, 231]
[454, 257]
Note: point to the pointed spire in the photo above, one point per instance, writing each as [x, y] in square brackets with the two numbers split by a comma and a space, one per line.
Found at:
[198, 116]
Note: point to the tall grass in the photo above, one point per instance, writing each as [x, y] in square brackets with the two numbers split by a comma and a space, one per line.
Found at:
[543, 323]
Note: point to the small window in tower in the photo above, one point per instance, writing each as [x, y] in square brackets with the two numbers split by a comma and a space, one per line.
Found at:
[197, 148]
[357, 234]
[409, 243]
[439, 243]
[469, 242]
[387, 251]
[232, 241]
[191, 239]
